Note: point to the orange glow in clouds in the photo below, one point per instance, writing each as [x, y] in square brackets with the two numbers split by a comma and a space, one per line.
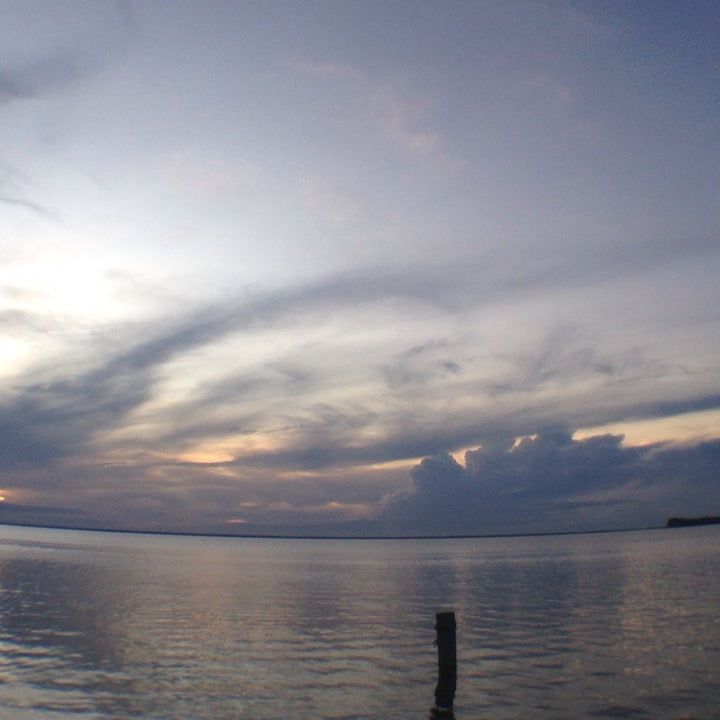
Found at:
[690, 427]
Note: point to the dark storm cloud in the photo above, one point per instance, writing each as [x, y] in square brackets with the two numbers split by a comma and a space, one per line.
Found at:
[555, 482]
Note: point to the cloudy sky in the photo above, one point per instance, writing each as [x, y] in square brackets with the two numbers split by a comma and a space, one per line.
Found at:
[359, 267]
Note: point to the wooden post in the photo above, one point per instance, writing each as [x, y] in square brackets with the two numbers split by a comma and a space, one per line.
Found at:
[447, 661]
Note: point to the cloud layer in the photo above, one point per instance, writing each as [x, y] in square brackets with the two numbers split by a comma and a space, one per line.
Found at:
[552, 482]
[270, 272]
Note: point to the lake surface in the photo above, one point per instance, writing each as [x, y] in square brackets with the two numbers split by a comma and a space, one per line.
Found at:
[104, 625]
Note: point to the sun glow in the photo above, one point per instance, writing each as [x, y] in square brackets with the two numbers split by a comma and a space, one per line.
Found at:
[690, 427]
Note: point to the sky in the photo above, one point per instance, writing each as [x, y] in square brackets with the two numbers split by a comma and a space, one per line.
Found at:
[359, 268]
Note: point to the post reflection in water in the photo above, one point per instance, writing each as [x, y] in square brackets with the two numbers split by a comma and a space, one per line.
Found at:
[440, 713]
[112, 626]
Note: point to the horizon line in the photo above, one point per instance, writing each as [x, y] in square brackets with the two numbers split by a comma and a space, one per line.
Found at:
[260, 536]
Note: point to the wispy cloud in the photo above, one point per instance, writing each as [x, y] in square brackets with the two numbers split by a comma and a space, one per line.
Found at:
[29, 205]
[294, 281]
[395, 118]
[41, 76]
[14, 185]
[58, 417]
[57, 411]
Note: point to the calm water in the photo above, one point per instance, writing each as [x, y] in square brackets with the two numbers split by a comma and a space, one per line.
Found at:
[101, 625]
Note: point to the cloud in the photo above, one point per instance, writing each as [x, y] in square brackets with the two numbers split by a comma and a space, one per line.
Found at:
[12, 190]
[80, 399]
[553, 482]
[61, 48]
[148, 491]
[95, 424]
[21, 322]
[420, 364]
[43, 75]
[410, 433]
[28, 81]
[397, 121]
[393, 117]
[59, 416]
[29, 205]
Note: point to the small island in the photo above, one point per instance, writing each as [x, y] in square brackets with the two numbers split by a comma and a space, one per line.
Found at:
[690, 522]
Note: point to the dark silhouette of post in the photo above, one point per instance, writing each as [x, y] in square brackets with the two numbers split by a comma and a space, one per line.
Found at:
[447, 664]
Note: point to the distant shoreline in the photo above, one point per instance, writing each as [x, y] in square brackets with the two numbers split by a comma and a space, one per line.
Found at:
[258, 536]
[676, 522]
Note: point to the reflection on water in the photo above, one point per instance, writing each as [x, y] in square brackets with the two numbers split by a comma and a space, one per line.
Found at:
[111, 626]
